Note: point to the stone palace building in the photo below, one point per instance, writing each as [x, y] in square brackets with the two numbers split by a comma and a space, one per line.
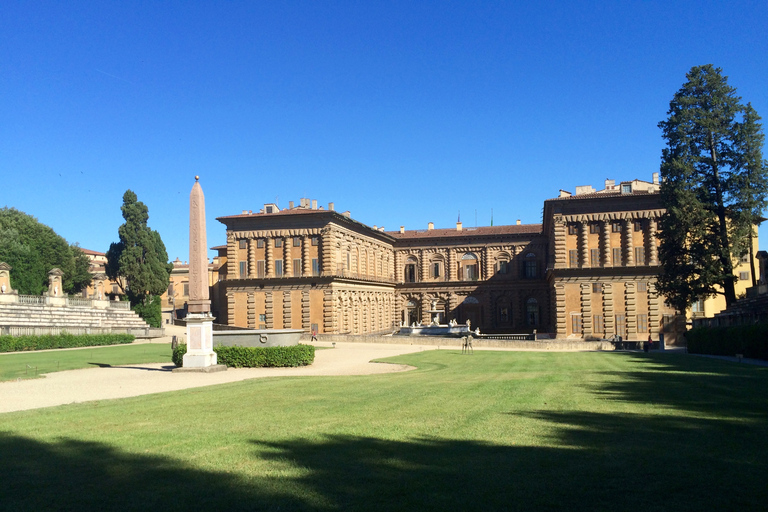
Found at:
[588, 271]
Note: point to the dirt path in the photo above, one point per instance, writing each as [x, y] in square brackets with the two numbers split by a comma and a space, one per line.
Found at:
[75, 386]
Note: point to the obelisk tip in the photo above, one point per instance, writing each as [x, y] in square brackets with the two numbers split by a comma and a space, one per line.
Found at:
[197, 178]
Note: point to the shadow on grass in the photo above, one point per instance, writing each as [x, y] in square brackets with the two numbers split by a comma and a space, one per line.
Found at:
[709, 454]
[604, 462]
[697, 385]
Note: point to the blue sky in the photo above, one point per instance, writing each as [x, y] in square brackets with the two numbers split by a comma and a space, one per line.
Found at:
[403, 113]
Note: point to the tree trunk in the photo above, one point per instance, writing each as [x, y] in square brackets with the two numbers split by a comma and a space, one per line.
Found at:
[725, 248]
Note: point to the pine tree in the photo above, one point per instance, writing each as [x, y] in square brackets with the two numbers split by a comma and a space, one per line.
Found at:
[710, 138]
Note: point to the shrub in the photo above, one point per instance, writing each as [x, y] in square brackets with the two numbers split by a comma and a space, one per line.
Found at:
[152, 312]
[749, 340]
[256, 357]
[63, 340]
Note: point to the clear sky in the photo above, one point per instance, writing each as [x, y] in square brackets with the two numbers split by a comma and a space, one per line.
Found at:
[403, 113]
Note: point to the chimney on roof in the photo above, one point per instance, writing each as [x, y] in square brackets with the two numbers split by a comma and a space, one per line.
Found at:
[304, 202]
[655, 178]
[290, 205]
[402, 229]
[314, 204]
[430, 226]
[518, 222]
[245, 211]
[458, 226]
[375, 227]
[610, 184]
[331, 206]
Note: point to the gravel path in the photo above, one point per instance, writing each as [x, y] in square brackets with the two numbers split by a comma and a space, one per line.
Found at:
[74, 386]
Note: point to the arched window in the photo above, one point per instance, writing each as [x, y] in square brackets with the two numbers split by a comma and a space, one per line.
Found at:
[502, 264]
[436, 267]
[469, 267]
[410, 269]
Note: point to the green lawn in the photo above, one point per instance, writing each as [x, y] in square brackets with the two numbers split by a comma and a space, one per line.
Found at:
[491, 431]
[24, 365]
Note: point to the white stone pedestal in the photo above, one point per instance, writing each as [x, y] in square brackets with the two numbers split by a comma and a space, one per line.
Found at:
[200, 352]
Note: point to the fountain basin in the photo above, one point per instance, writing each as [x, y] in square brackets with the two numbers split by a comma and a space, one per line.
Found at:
[257, 337]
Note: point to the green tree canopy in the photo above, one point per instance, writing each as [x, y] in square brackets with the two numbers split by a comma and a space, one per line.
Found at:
[713, 188]
[33, 249]
[140, 256]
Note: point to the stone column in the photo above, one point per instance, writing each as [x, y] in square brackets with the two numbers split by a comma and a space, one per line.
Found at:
[200, 354]
[306, 261]
[560, 311]
[270, 257]
[287, 259]
[251, 258]
[485, 259]
[605, 243]
[327, 253]
[424, 265]
[586, 309]
[653, 310]
[287, 317]
[452, 270]
[251, 308]
[230, 307]
[329, 312]
[608, 312]
[631, 309]
[653, 249]
[231, 256]
[584, 245]
[305, 318]
[269, 310]
[561, 255]
[629, 250]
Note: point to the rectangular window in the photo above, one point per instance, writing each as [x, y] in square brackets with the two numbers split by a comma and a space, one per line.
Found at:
[642, 323]
[435, 270]
[278, 268]
[573, 229]
[262, 321]
[243, 243]
[504, 314]
[621, 326]
[594, 256]
[598, 326]
[616, 227]
[243, 270]
[597, 287]
[297, 241]
[186, 289]
[471, 272]
[260, 243]
[698, 306]
[642, 286]
[576, 324]
[315, 240]
[573, 258]
[743, 276]
[260, 269]
[278, 242]
[530, 269]
[594, 227]
[638, 225]
[668, 323]
[297, 267]
[745, 258]
[503, 267]
[639, 255]
[616, 256]
[315, 267]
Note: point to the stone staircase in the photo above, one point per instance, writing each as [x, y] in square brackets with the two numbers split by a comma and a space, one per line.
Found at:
[25, 319]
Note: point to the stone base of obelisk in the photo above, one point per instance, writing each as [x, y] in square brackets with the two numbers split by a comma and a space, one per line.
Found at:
[200, 355]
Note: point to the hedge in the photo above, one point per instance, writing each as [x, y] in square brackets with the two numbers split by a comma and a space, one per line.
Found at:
[63, 340]
[256, 357]
[748, 340]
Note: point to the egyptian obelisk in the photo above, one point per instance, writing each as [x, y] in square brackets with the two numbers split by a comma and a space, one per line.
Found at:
[200, 352]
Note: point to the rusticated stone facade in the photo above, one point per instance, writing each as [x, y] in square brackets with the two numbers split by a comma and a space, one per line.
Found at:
[588, 271]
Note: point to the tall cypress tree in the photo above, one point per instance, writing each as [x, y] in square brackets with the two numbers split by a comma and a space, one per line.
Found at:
[139, 257]
[709, 134]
